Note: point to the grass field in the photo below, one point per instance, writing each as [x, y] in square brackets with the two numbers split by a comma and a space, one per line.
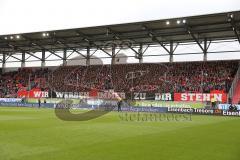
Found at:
[36, 134]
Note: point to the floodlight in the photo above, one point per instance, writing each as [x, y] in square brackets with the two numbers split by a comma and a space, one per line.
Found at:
[85, 39]
[150, 34]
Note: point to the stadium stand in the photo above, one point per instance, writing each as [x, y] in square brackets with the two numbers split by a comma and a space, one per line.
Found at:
[166, 77]
[23, 79]
[180, 77]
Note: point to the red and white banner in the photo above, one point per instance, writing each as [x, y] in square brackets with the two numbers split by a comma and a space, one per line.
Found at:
[218, 96]
[200, 97]
[34, 93]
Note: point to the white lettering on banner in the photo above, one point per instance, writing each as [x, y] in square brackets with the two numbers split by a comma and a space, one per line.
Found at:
[206, 97]
[136, 95]
[168, 97]
[227, 113]
[203, 111]
[37, 94]
[111, 95]
[180, 110]
[45, 94]
[84, 94]
[40, 94]
[191, 95]
[200, 97]
[141, 96]
[191, 110]
[66, 94]
[218, 97]
[72, 94]
[104, 95]
[164, 97]
[122, 95]
[184, 97]
[59, 94]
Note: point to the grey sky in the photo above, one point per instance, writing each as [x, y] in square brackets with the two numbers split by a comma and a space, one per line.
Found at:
[20, 16]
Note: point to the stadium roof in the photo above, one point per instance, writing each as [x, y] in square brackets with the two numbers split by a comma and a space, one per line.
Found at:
[223, 26]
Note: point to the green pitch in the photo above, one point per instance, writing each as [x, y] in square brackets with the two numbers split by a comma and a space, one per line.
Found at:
[36, 134]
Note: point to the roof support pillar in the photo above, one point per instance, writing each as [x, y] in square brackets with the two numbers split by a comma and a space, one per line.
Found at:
[140, 54]
[64, 57]
[171, 52]
[43, 59]
[88, 57]
[113, 54]
[205, 48]
[3, 62]
[23, 64]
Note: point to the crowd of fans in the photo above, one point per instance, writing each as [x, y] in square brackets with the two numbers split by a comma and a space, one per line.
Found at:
[162, 78]
[167, 77]
[22, 79]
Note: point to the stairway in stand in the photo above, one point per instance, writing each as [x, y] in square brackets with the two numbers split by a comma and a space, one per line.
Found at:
[236, 95]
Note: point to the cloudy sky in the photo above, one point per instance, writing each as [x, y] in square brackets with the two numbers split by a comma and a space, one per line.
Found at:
[22, 16]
